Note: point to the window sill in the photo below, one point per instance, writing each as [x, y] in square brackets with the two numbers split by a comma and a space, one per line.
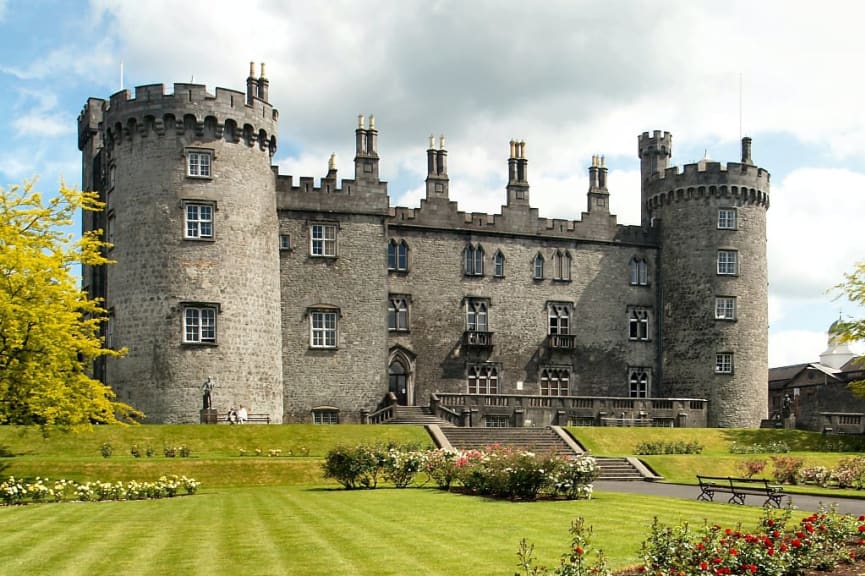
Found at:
[397, 272]
[323, 256]
[194, 177]
[199, 344]
[196, 239]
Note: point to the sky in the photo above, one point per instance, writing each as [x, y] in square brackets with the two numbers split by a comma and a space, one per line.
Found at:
[571, 78]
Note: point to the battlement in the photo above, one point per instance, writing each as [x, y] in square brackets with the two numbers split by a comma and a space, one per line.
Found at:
[746, 182]
[660, 142]
[228, 113]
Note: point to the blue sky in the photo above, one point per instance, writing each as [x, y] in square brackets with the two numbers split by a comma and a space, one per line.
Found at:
[572, 78]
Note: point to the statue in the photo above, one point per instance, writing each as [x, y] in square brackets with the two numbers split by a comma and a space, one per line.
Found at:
[787, 404]
[208, 388]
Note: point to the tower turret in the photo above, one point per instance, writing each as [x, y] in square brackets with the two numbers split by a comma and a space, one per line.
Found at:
[191, 211]
[654, 152]
[711, 222]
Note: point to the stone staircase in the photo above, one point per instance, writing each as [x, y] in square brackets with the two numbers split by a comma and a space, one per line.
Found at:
[540, 440]
[617, 469]
[417, 415]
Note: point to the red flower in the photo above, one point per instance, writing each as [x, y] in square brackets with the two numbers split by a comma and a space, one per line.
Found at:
[784, 548]
[704, 565]
[734, 552]
[728, 531]
[861, 518]
[753, 568]
[578, 550]
[861, 528]
[700, 546]
[770, 551]
[796, 543]
[776, 534]
[809, 528]
[770, 522]
[716, 560]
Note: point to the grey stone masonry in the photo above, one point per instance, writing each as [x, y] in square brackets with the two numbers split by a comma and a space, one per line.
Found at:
[317, 301]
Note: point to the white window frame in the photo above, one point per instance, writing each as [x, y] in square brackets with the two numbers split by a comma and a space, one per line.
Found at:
[638, 324]
[322, 240]
[474, 260]
[198, 220]
[398, 313]
[639, 382]
[285, 241]
[555, 381]
[728, 262]
[323, 329]
[199, 323]
[397, 256]
[725, 307]
[325, 416]
[562, 266]
[477, 315]
[727, 218]
[724, 363]
[639, 272]
[559, 316]
[482, 379]
[499, 264]
[199, 163]
[538, 267]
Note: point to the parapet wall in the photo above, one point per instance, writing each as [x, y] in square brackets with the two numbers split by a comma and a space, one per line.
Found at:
[747, 183]
[227, 114]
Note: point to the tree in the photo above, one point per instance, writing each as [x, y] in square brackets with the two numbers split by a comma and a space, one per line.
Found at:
[49, 328]
[853, 287]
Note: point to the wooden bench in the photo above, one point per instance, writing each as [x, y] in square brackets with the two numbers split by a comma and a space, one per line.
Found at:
[738, 488]
[251, 418]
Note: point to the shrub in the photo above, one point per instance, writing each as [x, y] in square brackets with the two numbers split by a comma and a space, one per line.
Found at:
[785, 469]
[668, 447]
[850, 473]
[774, 447]
[106, 450]
[441, 467]
[819, 475]
[574, 562]
[750, 467]
[402, 464]
[14, 491]
[356, 467]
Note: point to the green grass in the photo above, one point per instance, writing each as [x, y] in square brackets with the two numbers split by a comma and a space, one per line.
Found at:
[310, 531]
[276, 515]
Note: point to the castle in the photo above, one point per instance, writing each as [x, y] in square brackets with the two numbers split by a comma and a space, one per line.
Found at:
[323, 303]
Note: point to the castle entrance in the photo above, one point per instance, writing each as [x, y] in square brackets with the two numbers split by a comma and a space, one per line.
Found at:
[398, 383]
[400, 373]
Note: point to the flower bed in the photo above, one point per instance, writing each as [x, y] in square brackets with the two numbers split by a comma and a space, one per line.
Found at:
[495, 471]
[14, 491]
[776, 547]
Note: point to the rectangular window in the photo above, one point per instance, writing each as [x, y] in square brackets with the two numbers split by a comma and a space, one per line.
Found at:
[284, 242]
[555, 381]
[559, 317]
[477, 317]
[483, 379]
[323, 328]
[199, 324]
[638, 382]
[725, 308]
[199, 221]
[639, 272]
[198, 163]
[110, 227]
[397, 313]
[499, 260]
[726, 219]
[322, 240]
[724, 363]
[325, 417]
[728, 264]
[497, 421]
[638, 324]
[397, 256]
[474, 261]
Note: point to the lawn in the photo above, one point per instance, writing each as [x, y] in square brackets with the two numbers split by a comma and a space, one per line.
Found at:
[262, 514]
[312, 530]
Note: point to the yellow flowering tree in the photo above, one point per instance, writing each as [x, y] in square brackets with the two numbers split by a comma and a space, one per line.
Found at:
[853, 287]
[49, 328]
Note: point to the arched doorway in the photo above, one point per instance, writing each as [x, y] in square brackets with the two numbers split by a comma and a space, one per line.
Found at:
[400, 373]
[398, 382]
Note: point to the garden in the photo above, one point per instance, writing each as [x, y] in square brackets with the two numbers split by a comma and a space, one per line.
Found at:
[262, 505]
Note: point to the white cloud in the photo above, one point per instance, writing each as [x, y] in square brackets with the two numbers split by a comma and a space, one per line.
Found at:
[43, 125]
[795, 347]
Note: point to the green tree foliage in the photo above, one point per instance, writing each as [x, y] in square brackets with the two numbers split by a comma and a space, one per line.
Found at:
[49, 328]
[853, 287]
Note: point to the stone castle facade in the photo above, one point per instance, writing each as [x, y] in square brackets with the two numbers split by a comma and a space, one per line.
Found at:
[321, 302]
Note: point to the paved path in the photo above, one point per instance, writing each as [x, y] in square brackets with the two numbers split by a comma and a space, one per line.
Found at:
[853, 506]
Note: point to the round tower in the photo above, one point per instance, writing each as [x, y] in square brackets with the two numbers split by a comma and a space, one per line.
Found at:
[191, 212]
[713, 293]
